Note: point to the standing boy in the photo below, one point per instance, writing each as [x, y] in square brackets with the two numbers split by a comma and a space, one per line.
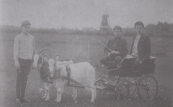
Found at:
[24, 47]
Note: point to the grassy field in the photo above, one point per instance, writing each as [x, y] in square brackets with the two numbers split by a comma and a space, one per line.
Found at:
[76, 46]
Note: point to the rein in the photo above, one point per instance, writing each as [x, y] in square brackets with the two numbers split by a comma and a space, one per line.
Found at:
[74, 81]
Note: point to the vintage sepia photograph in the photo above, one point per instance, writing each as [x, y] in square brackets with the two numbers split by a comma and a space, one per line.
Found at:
[86, 53]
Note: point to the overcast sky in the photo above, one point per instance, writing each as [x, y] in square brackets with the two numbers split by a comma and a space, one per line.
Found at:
[84, 13]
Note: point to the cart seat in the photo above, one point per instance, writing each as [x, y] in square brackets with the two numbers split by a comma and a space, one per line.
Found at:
[126, 67]
[147, 66]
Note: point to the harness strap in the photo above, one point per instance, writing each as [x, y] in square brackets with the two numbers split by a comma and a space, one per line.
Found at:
[67, 78]
[68, 74]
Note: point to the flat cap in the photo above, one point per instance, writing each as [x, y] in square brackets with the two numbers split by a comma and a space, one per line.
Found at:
[26, 22]
[117, 27]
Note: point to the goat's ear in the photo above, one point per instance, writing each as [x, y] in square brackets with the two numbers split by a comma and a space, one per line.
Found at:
[56, 57]
[72, 59]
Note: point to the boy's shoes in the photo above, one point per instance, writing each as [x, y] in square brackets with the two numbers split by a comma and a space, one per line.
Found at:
[24, 100]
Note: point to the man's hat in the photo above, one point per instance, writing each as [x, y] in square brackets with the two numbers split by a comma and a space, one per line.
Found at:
[117, 27]
[26, 22]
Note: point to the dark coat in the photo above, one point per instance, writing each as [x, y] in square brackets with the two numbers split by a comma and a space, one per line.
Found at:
[144, 47]
[117, 44]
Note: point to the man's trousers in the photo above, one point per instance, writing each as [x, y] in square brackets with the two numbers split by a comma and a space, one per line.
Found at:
[22, 73]
[111, 61]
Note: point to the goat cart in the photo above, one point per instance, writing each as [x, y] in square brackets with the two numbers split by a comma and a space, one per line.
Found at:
[126, 79]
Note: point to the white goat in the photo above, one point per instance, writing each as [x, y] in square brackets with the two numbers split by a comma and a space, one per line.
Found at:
[81, 72]
[46, 69]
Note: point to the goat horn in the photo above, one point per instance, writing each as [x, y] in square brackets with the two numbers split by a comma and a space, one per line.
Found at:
[55, 56]
[43, 50]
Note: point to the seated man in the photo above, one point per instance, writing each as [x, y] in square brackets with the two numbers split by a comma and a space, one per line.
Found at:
[141, 47]
[116, 49]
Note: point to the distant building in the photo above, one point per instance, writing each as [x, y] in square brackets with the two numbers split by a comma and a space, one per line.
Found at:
[104, 23]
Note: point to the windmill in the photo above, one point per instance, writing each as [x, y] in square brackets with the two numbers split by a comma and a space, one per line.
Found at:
[105, 23]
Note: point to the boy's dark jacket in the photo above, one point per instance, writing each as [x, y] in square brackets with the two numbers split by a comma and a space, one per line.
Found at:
[120, 45]
[143, 47]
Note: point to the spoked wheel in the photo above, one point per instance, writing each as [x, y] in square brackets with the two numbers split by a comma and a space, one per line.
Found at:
[100, 85]
[147, 87]
[122, 92]
[131, 85]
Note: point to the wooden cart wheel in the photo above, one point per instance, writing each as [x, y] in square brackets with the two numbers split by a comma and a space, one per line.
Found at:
[131, 85]
[100, 85]
[147, 87]
[122, 92]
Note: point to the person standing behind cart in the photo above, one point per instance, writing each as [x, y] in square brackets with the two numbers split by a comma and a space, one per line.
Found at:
[116, 49]
[141, 46]
[24, 49]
